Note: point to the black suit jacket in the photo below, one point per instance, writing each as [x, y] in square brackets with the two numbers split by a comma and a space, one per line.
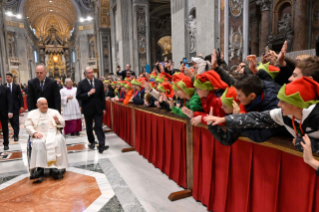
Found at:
[94, 103]
[50, 91]
[5, 101]
[17, 98]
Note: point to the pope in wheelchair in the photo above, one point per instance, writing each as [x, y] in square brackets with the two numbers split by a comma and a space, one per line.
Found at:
[48, 144]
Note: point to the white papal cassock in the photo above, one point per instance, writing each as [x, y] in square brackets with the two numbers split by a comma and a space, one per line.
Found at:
[49, 151]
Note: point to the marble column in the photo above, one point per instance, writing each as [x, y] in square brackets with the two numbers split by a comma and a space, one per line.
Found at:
[265, 23]
[179, 34]
[254, 35]
[226, 31]
[4, 59]
[300, 27]
[141, 23]
[245, 29]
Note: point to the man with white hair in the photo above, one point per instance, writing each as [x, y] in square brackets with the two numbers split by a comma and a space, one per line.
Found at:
[71, 109]
[91, 93]
[48, 145]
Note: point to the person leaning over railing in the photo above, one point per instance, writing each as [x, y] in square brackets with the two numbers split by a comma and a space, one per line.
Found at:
[307, 154]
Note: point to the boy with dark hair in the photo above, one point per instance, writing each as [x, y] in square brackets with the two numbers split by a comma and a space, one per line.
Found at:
[298, 113]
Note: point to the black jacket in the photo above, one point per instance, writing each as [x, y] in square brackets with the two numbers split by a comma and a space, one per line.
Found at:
[51, 92]
[6, 105]
[139, 98]
[269, 102]
[123, 74]
[17, 98]
[94, 103]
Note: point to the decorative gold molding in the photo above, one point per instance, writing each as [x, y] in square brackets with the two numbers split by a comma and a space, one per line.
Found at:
[88, 27]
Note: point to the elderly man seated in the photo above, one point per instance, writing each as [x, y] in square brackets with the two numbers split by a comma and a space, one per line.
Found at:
[48, 144]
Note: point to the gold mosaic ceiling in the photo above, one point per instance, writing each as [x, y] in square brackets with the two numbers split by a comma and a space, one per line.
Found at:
[62, 16]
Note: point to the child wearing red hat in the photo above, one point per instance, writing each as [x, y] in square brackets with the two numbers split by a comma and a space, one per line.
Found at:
[166, 92]
[138, 98]
[208, 85]
[185, 90]
[298, 113]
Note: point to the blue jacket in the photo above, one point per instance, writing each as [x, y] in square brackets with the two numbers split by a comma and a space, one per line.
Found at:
[139, 98]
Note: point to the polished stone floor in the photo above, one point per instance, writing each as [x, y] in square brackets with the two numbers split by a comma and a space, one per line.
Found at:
[112, 181]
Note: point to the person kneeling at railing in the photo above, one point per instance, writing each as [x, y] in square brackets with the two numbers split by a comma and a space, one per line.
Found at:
[298, 113]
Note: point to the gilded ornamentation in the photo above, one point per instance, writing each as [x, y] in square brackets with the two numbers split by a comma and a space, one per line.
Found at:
[166, 45]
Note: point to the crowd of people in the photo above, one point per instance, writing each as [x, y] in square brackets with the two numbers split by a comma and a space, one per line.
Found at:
[278, 96]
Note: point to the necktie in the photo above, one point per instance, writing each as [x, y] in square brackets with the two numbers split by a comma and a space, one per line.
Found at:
[42, 85]
[92, 84]
[10, 87]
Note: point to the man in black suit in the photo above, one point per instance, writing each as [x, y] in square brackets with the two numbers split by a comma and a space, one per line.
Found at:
[91, 93]
[43, 86]
[6, 111]
[127, 72]
[18, 104]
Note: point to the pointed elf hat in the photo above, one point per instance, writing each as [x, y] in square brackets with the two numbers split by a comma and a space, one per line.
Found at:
[106, 81]
[166, 88]
[301, 93]
[127, 85]
[229, 96]
[209, 80]
[153, 75]
[152, 84]
[139, 81]
[186, 85]
[122, 83]
[273, 71]
[114, 83]
[128, 79]
[176, 78]
[163, 77]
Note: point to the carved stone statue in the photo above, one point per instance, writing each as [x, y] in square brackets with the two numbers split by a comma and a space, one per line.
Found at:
[235, 43]
[191, 26]
[92, 51]
[284, 23]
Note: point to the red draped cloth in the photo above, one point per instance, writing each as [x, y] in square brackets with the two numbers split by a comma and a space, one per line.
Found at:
[251, 177]
[25, 102]
[108, 116]
[162, 142]
[122, 121]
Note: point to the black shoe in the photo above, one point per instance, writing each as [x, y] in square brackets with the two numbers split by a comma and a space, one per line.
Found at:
[72, 134]
[101, 149]
[77, 134]
[54, 171]
[58, 177]
[16, 138]
[92, 146]
[38, 173]
[6, 147]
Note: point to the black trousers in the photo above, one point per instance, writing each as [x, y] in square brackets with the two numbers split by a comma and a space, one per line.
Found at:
[5, 130]
[14, 121]
[98, 119]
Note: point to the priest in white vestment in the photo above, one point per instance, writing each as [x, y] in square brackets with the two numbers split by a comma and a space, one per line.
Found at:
[71, 109]
[48, 144]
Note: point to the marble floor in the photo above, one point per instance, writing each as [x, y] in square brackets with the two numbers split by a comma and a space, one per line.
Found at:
[112, 181]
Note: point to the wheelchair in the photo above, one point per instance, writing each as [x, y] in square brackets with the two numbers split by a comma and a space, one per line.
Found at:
[29, 152]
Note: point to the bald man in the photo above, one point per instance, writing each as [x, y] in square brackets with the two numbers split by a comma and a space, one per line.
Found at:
[43, 86]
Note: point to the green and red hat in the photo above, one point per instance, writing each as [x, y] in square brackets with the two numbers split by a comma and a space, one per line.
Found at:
[163, 77]
[114, 83]
[166, 88]
[127, 85]
[122, 83]
[186, 85]
[153, 75]
[176, 78]
[106, 81]
[273, 71]
[210, 81]
[128, 79]
[301, 93]
[229, 96]
[152, 84]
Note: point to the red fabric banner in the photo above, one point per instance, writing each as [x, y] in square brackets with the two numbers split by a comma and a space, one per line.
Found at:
[25, 102]
[251, 177]
[122, 121]
[162, 142]
[108, 116]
